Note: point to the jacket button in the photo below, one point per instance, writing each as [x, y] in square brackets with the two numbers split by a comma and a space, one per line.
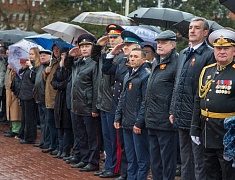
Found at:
[207, 99]
[120, 84]
[115, 81]
[113, 95]
[118, 90]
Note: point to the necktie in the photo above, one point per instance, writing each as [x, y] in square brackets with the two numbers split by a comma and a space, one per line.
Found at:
[191, 50]
[132, 72]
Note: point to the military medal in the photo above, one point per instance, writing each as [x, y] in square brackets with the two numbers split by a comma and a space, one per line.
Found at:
[130, 86]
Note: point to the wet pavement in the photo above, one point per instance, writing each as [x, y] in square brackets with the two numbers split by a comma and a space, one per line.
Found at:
[25, 162]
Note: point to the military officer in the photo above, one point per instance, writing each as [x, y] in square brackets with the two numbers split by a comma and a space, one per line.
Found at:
[119, 68]
[105, 82]
[215, 102]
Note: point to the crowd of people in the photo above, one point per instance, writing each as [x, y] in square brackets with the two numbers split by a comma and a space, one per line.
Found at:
[148, 109]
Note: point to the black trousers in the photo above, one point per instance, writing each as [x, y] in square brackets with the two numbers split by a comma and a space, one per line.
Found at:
[28, 130]
[216, 167]
[89, 140]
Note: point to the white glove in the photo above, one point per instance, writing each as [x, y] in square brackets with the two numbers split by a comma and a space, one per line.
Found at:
[196, 140]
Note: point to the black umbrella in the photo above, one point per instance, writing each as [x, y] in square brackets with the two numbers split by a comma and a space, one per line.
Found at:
[15, 35]
[230, 4]
[163, 17]
[183, 26]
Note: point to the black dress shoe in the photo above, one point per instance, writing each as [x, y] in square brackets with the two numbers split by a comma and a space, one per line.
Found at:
[67, 158]
[73, 160]
[54, 152]
[64, 154]
[11, 134]
[108, 174]
[7, 131]
[57, 155]
[79, 165]
[89, 167]
[47, 150]
[37, 145]
[44, 147]
[22, 141]
[99, 172]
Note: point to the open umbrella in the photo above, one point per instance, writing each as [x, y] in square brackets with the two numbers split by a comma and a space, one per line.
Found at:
[15, 35]
[103, 18]
[19, 50]
[230, 4]
[163, 17]
[46, 41]
[183, 26]
[65, 31]
[146, 34]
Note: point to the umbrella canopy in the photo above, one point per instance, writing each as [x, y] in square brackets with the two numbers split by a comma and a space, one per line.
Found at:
[46, 41]
[103, 18]
[230, 4]
[65, 31]
[20, 50]
[15, 35]
[163, 17]
[183, 26]
[146, 34]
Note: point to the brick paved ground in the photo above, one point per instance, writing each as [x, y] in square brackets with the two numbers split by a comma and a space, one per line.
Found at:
[25, 162]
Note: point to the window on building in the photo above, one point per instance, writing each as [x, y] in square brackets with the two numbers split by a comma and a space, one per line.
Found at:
[3, 1]
[33, 3]
[10, 1]
[18, 2]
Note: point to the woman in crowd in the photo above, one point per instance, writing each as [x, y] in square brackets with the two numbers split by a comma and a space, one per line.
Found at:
[28, 130]
[61, 112]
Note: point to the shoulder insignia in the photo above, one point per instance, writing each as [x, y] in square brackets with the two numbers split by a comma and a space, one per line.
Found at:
[209, 66]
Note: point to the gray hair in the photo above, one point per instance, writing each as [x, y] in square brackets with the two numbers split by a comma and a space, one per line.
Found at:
[206, 24]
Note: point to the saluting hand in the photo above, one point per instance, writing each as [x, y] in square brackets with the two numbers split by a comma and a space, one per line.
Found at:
[103, 41]
[117, 49]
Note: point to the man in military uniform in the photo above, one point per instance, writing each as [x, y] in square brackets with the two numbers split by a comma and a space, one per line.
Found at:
[215, 102]
[105, 82]
[162, 135]
[83, 106]
[130, 115]
[119, 69]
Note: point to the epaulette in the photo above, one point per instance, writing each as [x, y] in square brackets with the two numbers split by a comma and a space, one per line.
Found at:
[210, 65]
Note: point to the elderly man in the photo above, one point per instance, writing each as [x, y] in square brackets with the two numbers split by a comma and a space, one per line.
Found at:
[190, 63]
[162, 135]
[39, 96]
[214, 102]
[130, 115]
